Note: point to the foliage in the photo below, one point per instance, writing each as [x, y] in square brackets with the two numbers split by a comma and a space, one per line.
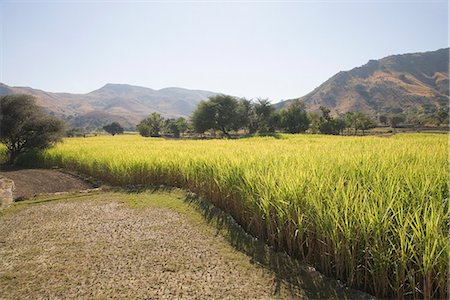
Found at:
[314, 126]
[370, 211]
[383, 119]
[265, 116]
[113, 128]
[396, 119]
[24, 126]
[219, 112]
[441, 116]
[294, 119]
[329, 125]
[151, 126]
[359, 121]
[175, 127]
[75, 132]
[364, 123]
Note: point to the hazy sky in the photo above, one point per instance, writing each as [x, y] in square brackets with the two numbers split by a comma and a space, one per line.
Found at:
[269, 49]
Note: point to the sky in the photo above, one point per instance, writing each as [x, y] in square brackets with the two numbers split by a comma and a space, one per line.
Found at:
[269, 49]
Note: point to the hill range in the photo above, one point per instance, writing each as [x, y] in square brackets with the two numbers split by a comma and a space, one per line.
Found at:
[394, 83]
[126, 104]
[391, 84]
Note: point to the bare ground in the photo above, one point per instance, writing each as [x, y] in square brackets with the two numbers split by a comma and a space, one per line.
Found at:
[102, 249]
[32, 182]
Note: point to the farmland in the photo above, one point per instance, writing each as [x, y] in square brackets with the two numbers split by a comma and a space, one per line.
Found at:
[371, 211]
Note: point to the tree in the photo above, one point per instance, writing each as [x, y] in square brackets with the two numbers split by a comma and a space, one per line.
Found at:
[246, 114]
[203, 118]
[314, 126]
[264, 115]
[364, 123]
[350, 121]
[359, 121]
[151, 126]
[294, 119]
[24, 126]
[329, 125]
[113, 128]
[383, 119]
[220, 112]
[441, 116]
[175, 126]
[395, 120]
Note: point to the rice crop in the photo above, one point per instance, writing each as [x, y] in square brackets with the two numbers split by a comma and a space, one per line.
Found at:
[371, 211]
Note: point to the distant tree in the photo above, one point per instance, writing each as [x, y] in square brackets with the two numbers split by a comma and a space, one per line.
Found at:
[220, 112]
[175, 126]
[264, 114]
[339, 125]
[329, 125]
[395, 120]
[364, 122]
[203, 118]
[24, 126]
[314, 125]
[383, 119]
[350, 120]
[151, 126]
[294, 118]
[246, 114]
[75, 132]
[441, 116]
[359, 121]
[143, 129]
[113, 128]
[325, 121]
[274, 121]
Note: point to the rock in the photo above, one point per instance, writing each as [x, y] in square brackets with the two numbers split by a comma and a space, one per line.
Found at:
[6, 192]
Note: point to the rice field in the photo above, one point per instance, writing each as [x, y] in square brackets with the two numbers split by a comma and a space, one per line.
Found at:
[371, 211]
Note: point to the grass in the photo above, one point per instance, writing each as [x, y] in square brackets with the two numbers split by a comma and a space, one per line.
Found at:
[371, 211]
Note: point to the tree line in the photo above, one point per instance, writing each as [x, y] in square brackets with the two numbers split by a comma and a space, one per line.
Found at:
[224, 114]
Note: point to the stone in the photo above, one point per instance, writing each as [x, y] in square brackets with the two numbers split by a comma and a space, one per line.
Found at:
[6, 192]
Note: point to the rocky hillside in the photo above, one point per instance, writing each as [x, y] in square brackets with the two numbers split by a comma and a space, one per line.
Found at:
[394, 83]
[124, 103]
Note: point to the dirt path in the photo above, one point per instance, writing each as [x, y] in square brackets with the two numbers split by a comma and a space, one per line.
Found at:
[32, 182]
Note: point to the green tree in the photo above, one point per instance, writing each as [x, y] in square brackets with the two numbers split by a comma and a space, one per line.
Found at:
[175, 127]
[314, 125]
[246, 111]
[359, 121]
[441, 116]
[264, 114]
[350, 120]
[364, 123]
[294, 118]
[395, 120]
[329, 125]
[220, 112]
[203, 118]
[151, 126]
[383, 119]
[113, 128]
[25, 126]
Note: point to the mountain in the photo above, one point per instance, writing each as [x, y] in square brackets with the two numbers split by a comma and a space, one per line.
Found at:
[126, 104]
[392, 84]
